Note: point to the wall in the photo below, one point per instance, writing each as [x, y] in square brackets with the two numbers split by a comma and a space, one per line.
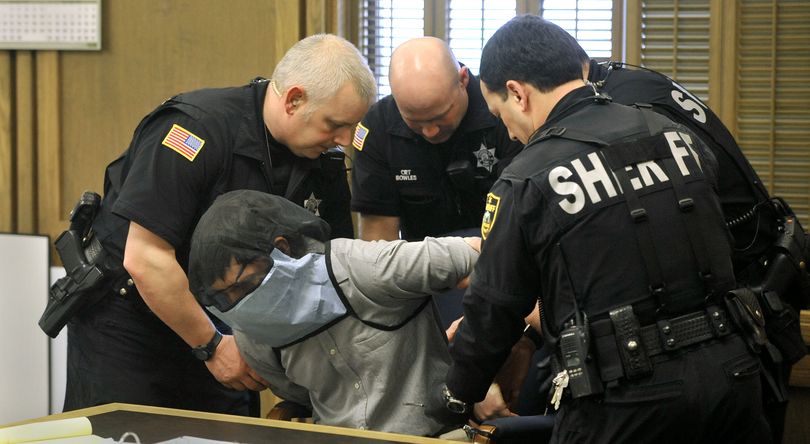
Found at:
[65, 115]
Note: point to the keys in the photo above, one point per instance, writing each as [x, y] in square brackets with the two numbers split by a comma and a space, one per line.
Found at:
[560, 382]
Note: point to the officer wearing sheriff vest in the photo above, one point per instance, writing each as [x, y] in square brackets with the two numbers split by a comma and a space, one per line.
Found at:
[426, 155]
[760, 226]
[610, 215]
[144, 339]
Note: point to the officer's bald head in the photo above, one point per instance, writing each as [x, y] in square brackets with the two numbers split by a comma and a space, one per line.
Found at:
[422, 65]
[429, 87]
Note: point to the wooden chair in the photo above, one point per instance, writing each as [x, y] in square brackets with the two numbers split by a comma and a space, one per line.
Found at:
[289, 411]
[800, 375]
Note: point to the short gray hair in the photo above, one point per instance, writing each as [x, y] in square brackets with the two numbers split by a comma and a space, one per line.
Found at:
[322, 64]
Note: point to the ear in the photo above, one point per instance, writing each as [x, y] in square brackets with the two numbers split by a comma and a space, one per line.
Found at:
[282, 244]
[464, 76]
[293, 99]
[517, 92]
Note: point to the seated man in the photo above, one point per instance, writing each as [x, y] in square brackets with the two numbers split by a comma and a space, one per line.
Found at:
[345, 327]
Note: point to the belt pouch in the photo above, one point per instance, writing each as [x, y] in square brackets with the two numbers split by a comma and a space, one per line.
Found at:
[607, 353]
[628, 340]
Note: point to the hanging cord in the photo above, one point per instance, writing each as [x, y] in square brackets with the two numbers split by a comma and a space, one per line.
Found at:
[746, 217]
[127, 436]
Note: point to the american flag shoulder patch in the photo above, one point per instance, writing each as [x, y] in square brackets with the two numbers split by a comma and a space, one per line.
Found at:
[360, 134]
[184, 142]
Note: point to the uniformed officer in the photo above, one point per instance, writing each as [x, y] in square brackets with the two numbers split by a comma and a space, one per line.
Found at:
[754, 221]
[428, 153]
[611, 216]
[148, 341]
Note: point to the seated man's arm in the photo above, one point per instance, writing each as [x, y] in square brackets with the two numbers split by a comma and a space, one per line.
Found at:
[402, 269]
[374, 227]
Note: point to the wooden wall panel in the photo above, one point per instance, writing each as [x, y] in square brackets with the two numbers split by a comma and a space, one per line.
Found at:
[48, 150]
[24, 147]
[6, 155]
[322, 16]
[152, 49]
[289, 25]
[633, 24]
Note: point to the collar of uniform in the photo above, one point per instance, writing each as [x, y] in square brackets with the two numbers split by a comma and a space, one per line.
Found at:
[477, 116]
[253, 143]
[570, 103]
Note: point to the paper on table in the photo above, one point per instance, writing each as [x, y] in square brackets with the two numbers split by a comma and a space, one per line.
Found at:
[39, 431]
[194, 440]
[86, 439]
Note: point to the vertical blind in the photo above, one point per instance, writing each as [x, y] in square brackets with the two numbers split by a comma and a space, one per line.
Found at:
[773, 116]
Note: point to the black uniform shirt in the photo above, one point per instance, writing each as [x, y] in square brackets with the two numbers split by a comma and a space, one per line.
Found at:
[739, 186]
[398, 173]
[198, 145]
[558, 226]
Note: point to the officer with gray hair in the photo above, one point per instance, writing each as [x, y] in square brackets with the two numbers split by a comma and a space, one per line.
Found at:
[139, 336]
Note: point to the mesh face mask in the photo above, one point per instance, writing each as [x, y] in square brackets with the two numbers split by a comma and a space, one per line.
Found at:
[296, 299]
[238, 231]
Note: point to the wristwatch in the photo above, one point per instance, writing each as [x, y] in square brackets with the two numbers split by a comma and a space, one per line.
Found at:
[454, 404]
[205, 352]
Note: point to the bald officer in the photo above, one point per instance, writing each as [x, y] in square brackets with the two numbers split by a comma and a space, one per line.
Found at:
[428, 153]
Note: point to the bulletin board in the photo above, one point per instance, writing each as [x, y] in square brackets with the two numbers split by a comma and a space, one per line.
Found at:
[24, 381]
[50, 25]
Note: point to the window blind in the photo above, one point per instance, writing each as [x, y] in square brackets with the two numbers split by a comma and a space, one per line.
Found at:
[589, 21]
[675, 41]
[472, 23]
[385, 24]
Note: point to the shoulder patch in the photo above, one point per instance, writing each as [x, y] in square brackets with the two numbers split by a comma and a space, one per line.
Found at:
[490, 213]
[184, 142]
[360, 134]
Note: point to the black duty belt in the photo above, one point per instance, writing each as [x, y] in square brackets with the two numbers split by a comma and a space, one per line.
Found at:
[624, 350]
[683, 331]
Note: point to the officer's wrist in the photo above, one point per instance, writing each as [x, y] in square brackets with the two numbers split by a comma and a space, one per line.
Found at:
[206, 351]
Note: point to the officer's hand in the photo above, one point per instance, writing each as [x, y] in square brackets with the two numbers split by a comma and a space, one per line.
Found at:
[451, 330]
[514, 370]
[493, 406]
[231, 370]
